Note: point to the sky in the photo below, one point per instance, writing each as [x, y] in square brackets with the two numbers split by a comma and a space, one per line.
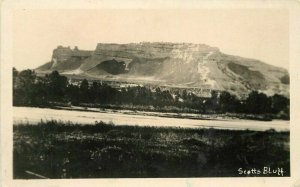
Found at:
[261, 34]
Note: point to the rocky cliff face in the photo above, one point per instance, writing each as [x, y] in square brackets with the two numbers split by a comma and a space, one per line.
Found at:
[172, 64]
[65, 59]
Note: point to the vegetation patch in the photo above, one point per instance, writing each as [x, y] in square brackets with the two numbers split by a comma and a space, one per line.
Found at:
[64, 150]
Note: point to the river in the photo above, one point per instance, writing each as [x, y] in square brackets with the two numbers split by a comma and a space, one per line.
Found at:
[34, 115]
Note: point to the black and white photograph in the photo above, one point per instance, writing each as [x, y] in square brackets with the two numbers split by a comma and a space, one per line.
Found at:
[150, 93]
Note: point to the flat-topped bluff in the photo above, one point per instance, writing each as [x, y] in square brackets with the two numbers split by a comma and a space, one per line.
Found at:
[183, 65]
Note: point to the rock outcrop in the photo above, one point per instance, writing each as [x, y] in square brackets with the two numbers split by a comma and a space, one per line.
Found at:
[171, 64]
[66, 59]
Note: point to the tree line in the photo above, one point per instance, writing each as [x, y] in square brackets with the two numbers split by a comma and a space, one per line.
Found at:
[31, 90]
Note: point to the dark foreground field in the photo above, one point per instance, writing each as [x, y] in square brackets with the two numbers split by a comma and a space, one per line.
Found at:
[56, 150]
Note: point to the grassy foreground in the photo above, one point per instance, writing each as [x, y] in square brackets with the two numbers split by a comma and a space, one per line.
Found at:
[57, 150]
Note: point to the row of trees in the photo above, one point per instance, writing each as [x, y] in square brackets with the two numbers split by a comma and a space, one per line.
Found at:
[35, 91]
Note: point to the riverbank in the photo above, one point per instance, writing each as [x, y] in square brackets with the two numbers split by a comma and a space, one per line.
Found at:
[166, 113]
